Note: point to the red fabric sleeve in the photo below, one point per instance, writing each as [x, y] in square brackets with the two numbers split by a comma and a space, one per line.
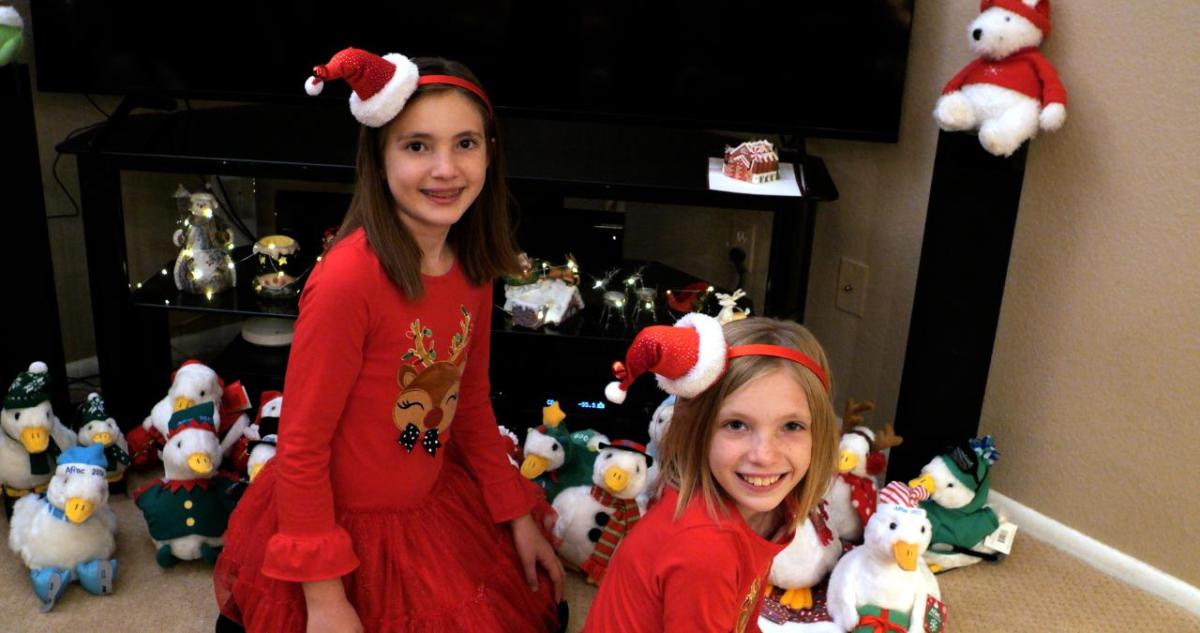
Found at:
[475, 433]
[327, 354]
[956, 83]
[700, 583]
[1053, 90]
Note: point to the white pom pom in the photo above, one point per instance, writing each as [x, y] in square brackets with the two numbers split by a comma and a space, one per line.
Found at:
[313, 86]
[38, 367]
[93, 396]
[614, 392]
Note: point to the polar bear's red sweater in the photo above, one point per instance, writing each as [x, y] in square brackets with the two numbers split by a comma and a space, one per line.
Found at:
[1027, 71]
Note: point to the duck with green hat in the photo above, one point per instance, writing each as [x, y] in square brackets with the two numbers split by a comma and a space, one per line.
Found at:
[958, 483]
[95, 426]
[32, 435]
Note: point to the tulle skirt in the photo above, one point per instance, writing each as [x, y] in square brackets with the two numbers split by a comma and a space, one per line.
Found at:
[440, 566]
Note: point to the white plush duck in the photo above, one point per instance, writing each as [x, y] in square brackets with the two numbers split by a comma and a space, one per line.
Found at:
[885, 580]
[851, 494]
[659, 423]
[196, 383]
[806, 561]
[67, 534]
[593, 519]
[97, 427]
[188, 509]
[32, 435]
[958, 483]
[262, 450]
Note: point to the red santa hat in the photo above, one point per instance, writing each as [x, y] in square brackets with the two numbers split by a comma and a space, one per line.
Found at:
[687, 357]
[381, 85]
[265, 400]
[1039, 14]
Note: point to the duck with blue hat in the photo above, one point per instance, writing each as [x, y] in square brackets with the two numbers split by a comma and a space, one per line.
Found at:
[67, 535]
[188, 510]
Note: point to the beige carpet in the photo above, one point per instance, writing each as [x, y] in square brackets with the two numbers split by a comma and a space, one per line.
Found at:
[1037, 589]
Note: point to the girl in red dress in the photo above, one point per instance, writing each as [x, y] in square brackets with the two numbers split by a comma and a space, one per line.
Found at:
[751, 446]
[391, 504]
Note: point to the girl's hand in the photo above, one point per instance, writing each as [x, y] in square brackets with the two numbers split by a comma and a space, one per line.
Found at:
[533, 550]
[328, 609]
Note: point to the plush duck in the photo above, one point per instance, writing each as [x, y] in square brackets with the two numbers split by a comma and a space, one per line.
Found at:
[188, 509]
[807, 560]
[861, 459]
[271, 405]
[660, 421]
[192, 384]
[884, 586]
[958, 483]
[33, 436]
[592, 519]
[67, 534]
[557, 459]
[97, 427]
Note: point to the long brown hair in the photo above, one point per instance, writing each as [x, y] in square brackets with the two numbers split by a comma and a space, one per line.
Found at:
[482, 239]
[685, 447]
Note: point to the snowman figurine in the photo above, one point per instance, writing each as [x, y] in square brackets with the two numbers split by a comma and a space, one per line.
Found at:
[203, 265]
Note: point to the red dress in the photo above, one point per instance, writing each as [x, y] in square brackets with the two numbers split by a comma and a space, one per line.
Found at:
[386, 403]
[696, 574]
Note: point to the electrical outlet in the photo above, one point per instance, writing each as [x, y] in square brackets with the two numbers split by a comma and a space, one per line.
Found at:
[741, 235]
[852, 287]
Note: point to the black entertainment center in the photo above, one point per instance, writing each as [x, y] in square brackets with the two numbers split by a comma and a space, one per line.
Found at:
[597, 101]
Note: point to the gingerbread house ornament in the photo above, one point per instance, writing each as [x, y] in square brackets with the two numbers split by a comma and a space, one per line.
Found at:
[752, 161]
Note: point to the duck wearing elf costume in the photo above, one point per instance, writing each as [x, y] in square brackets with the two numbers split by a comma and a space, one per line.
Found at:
[188, 509]
[97, 427]
[32, 435]
[67, 534]
[958, 483]
[593, 519]
[557, 459]
[883, 586]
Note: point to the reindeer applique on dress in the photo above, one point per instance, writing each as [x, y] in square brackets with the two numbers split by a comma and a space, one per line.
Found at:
[429, 387]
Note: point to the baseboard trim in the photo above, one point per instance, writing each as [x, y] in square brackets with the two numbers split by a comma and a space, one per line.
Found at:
[1103, 557]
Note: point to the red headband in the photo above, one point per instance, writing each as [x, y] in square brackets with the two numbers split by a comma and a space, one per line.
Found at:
[425, 80]
[779, 351]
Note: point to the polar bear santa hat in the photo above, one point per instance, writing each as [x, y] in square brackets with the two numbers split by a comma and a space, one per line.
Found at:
[1036, 11]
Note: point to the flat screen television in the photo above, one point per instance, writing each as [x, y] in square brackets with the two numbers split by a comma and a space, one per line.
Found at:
[833, 69]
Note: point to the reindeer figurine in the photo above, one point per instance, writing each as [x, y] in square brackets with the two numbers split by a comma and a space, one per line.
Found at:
[729, 310]
[852, 494]
[428, 395]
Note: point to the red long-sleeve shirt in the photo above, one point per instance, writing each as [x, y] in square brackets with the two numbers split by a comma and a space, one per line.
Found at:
[697, 574]
[1027, 71]
[353, 354]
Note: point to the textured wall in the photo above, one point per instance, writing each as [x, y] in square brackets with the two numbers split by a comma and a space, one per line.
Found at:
[1093, 388]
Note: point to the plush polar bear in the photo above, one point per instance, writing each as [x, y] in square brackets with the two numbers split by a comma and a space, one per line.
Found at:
[1010, 90]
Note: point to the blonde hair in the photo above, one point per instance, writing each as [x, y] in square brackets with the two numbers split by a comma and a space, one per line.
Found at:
[688, 440]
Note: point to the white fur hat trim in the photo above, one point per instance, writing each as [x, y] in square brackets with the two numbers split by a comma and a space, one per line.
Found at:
[710, 362]
[384, 105]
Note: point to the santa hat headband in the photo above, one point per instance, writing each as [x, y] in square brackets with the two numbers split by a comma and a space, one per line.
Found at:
[690, 356]
[1039, 14]
[381, 85]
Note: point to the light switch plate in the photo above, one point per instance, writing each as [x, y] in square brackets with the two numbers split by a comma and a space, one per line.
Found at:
[852, 287]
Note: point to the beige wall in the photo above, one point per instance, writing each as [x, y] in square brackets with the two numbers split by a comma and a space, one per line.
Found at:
[1093, 393]
[1094, 390]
